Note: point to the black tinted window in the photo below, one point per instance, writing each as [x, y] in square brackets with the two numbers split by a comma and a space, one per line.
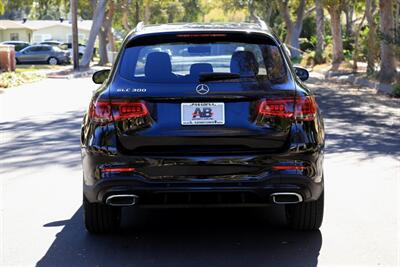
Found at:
[45, 48]
[186, 61]
[34, 49]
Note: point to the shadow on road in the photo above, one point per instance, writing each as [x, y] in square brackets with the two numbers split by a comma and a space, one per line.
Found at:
[41, 142]
[357, 120]
[187, 237]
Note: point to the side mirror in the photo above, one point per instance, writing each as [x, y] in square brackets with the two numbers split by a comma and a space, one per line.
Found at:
[100, 76]
[302, 73]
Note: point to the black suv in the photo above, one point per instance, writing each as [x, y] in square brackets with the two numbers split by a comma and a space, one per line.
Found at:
[202, 115]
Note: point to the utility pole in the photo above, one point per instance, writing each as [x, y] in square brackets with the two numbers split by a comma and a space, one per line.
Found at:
[74, 18]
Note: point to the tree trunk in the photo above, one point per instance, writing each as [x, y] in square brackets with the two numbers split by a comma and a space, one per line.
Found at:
[125, 13]
[320, 32]
[137, 12]
[75, 37]
[356, 38]
[372, 38]
[147, 13]
[297, 29]
[336, 29]
[294, 42]
[171, 12]
[293, 29]
[106, 39]
[388, 65]
[250, 7]
[110, 38]
[349, 10]
[103, 47]
[284, 8]
[98, 18]
[268, 12]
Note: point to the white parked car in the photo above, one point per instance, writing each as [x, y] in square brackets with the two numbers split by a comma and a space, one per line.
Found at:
[66, 46]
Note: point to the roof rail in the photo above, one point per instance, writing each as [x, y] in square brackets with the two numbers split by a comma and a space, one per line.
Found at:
[139, 26]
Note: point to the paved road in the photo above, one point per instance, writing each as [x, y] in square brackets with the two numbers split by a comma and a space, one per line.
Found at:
[41, 193]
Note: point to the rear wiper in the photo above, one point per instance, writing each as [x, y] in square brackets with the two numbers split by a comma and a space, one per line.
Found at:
[216, 76]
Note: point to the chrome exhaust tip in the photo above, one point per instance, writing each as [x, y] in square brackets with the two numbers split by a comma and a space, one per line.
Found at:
[121, 200]
[286, 198]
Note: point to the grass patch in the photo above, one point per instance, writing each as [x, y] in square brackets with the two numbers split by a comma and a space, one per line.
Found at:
[32, 68]
[396, 90]
[11, 79]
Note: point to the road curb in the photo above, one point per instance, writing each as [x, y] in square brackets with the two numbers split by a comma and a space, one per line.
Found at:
[357, 80]
[360, 80]
[71, 74]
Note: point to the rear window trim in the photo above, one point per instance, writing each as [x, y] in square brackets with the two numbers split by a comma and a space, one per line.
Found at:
[158, 38]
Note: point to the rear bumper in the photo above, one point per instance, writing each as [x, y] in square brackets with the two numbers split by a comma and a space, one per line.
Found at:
[64, 59]
[238, 180]
[213, 194]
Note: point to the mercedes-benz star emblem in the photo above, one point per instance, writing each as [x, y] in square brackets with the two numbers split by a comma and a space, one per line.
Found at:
[202, 89]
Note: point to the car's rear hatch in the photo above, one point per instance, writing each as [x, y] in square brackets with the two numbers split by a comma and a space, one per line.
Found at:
[201, 114]
[162, 129]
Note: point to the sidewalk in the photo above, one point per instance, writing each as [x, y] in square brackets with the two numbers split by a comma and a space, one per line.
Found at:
[345, 76]
[69, 73]
[25, 77]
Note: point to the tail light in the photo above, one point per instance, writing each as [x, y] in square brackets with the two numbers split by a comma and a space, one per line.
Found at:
[104, 110]
[298, 108]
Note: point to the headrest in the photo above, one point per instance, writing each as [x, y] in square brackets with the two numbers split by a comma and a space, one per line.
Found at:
[244, 63]
[197, 68]
[158, 65]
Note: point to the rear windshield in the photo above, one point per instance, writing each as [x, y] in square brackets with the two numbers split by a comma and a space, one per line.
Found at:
[191, 59]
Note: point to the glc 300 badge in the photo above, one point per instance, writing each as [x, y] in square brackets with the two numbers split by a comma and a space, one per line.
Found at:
[132, 90]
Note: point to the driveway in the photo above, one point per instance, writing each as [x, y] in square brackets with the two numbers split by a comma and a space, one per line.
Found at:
[41, 194]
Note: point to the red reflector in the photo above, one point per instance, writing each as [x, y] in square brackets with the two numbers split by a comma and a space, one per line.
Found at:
[118, 170]
[102, 110]
[127, 110]
[299, 108]
[306, 108]
[288, 167]
[277, 108]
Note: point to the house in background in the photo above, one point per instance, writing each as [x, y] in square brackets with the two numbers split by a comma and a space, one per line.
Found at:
[36, 31]
[11, 30]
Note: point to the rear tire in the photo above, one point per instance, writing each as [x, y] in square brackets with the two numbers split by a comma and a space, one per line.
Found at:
[52, 61]
[306, 215]
[101, 218]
